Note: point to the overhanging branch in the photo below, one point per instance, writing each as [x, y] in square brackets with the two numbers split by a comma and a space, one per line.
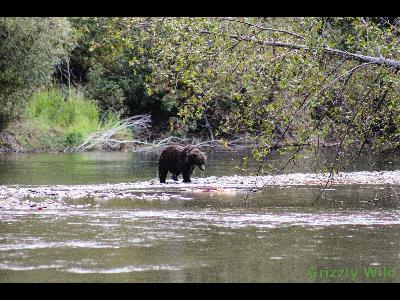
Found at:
[381, 61]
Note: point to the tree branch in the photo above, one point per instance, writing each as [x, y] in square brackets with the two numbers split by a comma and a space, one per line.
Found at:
[381, 61]
[262, 28]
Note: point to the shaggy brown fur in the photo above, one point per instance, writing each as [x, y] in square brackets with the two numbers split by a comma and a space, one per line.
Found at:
[178, 159]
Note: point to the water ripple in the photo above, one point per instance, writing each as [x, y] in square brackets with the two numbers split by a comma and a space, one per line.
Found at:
[126, 269]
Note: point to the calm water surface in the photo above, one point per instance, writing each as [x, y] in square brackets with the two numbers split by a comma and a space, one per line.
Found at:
[276, 236]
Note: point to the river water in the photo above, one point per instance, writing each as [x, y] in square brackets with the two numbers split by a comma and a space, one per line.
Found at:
[351, 234]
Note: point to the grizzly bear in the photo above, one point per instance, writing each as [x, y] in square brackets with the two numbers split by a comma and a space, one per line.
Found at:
[178, 159]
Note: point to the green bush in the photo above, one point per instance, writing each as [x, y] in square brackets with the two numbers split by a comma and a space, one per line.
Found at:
[76, 115]
[73, 118]
[73, 138]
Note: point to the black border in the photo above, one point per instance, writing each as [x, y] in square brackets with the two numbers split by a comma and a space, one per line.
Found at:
[275, 8]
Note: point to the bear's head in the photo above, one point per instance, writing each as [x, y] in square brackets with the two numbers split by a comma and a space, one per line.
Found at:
[195, 157]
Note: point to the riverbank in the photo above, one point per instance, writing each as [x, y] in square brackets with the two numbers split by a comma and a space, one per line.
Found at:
[54, 122]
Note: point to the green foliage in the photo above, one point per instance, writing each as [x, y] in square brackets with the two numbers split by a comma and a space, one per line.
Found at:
[270, 80]
[29, 50]
[33, 136]
[53, 110]
[73, 138]
[72, 119]
[241, 76]
[112, 74]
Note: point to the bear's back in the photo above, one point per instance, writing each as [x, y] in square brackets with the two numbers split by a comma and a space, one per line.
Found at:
[171, 154]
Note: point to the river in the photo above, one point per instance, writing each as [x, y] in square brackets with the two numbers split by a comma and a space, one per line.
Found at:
[351, 234]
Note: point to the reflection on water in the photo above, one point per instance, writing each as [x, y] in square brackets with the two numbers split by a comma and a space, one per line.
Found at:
[276, 236]
[115, 167]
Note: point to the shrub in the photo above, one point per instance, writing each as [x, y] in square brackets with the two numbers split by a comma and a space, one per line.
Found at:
[53, 110]
[75, 118]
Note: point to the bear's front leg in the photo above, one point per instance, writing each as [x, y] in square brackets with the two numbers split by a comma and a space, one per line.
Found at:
[186, 176]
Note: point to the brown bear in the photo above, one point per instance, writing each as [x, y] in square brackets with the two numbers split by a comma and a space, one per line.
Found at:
[178, 159]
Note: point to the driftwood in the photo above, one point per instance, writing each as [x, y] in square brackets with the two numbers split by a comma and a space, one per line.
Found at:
[140, 124]
[157, 144]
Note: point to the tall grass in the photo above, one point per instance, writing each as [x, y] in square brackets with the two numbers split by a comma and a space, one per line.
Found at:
[61, 122]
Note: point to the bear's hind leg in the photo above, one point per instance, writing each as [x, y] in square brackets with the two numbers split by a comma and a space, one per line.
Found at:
[162, 174]
[175, 177]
